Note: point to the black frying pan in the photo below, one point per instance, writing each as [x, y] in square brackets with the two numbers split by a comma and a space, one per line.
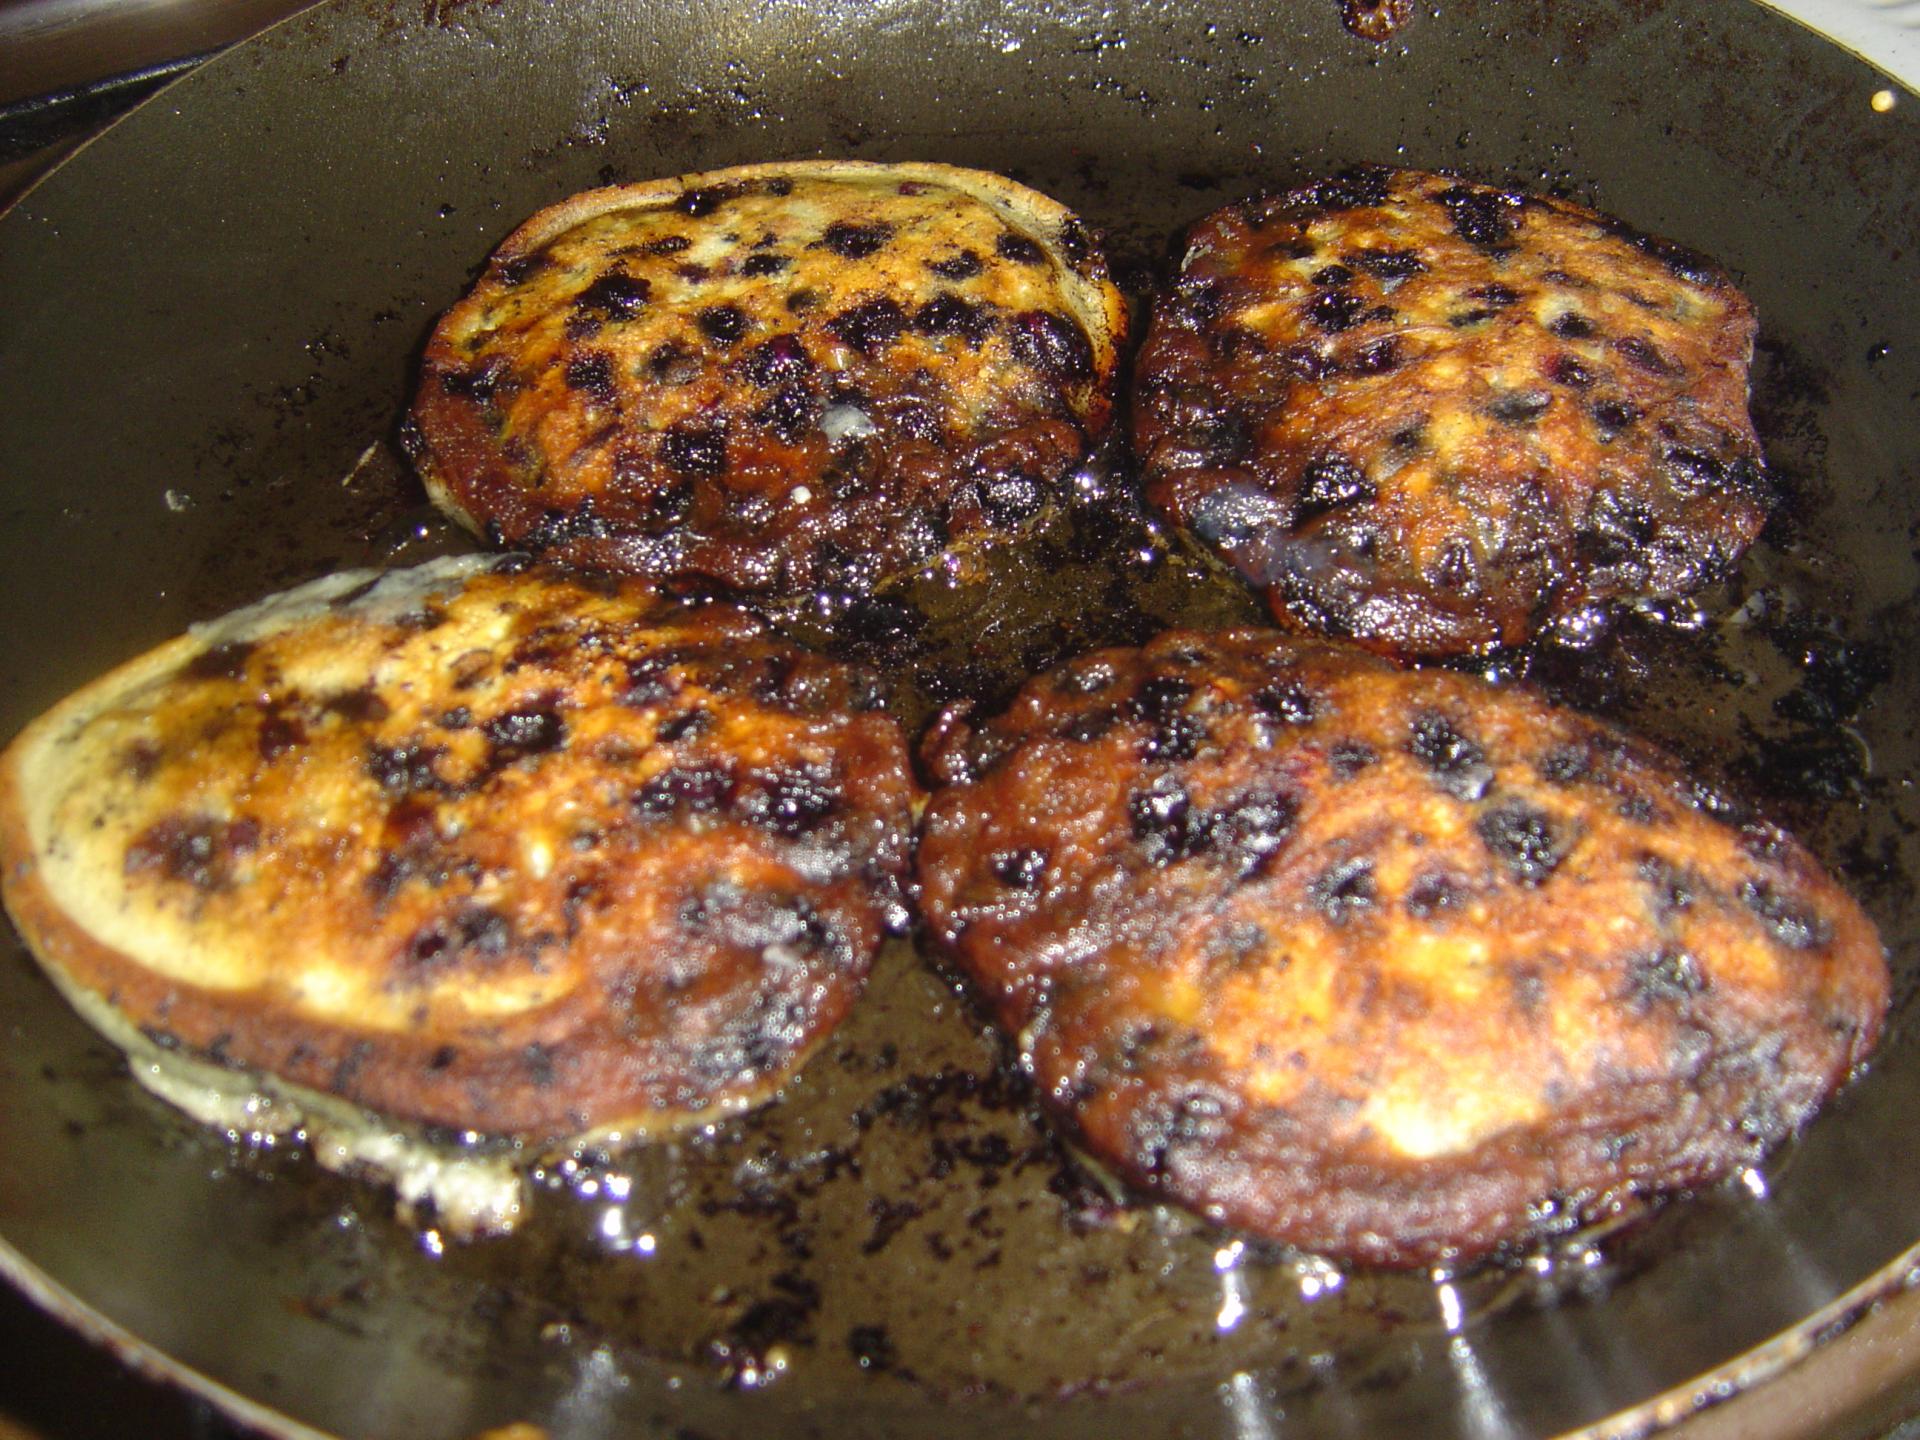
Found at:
[209, 318]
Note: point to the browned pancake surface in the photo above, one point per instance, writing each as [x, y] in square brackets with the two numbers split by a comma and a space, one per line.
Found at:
[788, 377]
[478, 846]
[1437, 417]
[1391, 965]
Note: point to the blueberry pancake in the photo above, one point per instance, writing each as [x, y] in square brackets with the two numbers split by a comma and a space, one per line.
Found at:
[1392, 965]
[796, 377]
[1437, 417]
[479, 847]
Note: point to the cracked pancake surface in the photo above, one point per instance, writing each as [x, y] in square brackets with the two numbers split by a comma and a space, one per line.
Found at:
[476, 845]
[812, 375]
[1396, 966]
[1438, 417]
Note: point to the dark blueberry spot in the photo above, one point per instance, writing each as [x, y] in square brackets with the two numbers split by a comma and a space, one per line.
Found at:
[1433, 892]
[1253, 827]
[615, 295]
[1019, 869]
[1332, 276]
[1636, 808]
[764, 264]
[1568, 371]
[1335, 311]
[1689, 265]
[668, 245]
[357, 707]
[279, 734]
[950, 315]
[1458, 763]
[687, 723]
[1524, 839]
[856, 242]
[963, 266]
[1466, 319]
[1377, 357]
[1085, 728]
[1174, 735]
[722, 324]
[1480, 217]
[220, 662]
[1347, 758]
[673, 363]
[1565, 764]
[523, 732]
[1663, 977]
[1309, 362]
[684, 789]
[1019, 249]
[801, 301]
[776, 361]
[1673, 889]
[522, 268]
[481, 930]
[1520, 407]
[1614, 416]
[1569, 325]
[790, 412]
[1328, 485]
[401, 769]
[1387, 264]
[1495, 294]
[478, 383]
[705, 201]
[871, 326]
[1055, 345]
[1644, 355]
[192, 850]
[1166, 822]
[1791, 924]
[793, 801]
[1344, 890]
[691, 448]
[1287, 704]
[592, 373]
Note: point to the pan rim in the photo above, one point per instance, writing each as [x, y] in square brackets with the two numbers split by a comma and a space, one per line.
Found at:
[1770, 1361]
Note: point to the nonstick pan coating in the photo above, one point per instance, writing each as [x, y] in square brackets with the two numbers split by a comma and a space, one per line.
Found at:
[209, 322]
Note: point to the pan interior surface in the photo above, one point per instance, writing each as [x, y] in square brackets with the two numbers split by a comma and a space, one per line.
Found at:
[211, 321]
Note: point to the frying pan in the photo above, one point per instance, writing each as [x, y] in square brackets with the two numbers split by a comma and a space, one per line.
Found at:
[209, 322]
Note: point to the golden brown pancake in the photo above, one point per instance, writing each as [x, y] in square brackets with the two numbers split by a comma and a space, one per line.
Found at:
[1398, 966]
[804, 376]
[479, 846]
[1437, 417]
